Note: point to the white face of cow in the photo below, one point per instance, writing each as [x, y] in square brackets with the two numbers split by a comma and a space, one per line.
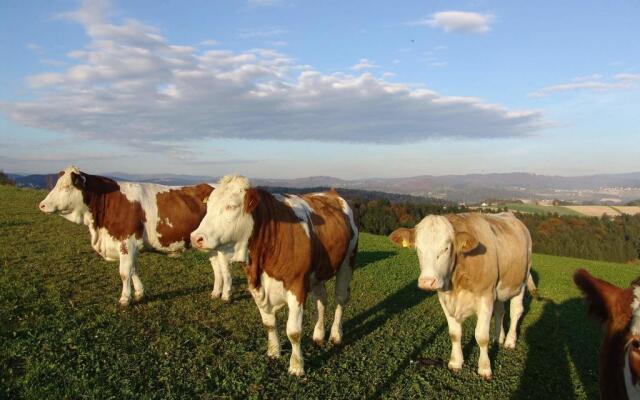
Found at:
[65, 198]
[226, 222]
[437, 245]
[434, 245]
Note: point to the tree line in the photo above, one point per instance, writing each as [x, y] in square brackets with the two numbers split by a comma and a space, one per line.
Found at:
[606, 238]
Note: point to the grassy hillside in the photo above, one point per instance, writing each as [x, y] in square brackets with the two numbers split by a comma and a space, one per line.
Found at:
[62, 335]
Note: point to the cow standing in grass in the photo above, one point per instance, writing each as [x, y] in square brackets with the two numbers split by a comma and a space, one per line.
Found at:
[619, 311]
[475, 262]
[292, 244]
[125, 218]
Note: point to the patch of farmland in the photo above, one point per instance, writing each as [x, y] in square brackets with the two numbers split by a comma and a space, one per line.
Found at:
[630, 210]
[595, 211]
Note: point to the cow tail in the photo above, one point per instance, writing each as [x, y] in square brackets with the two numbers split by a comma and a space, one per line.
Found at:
[531, 287]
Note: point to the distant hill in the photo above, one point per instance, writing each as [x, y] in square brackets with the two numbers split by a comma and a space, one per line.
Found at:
[588, 189]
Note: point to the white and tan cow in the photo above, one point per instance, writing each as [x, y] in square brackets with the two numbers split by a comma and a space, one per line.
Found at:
[476, 262]
[291, 245]
[125, 218]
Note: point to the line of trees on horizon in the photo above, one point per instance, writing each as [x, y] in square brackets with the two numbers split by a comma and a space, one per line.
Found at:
[606, 238]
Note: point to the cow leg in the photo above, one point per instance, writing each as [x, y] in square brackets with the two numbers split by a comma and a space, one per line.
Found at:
[294, 331]
[483, 327]
[498, 314]
[138, 293]
[515, 312]
[455, 334]
[269, 322]
[217, 277]
[127, 267]
[343, 280]
[223, 264]
[320, 293]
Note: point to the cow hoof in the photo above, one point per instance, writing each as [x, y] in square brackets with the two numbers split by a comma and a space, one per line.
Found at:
[318, 342]
[215, 295]
[225, 297]
[273, 352]
[124, 302]
[485, 373]
[138, 296]
[509, 344]
[336, 340]
[454, 367]
[296, 371]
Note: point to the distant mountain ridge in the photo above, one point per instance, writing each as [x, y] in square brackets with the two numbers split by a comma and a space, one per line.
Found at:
[613, 188]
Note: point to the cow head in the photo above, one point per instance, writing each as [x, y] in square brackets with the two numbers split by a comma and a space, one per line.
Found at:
[66, 196]
[619, 312]
[228, 221]
[438, 244]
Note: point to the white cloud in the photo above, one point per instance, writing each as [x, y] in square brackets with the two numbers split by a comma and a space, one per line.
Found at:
[209, 42]
[458, 21]
[364, 64]
[591, 83]
[129, 86]
[36, 48]
[261, 32]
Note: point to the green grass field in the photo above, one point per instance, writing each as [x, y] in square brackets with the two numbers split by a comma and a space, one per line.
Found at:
[536, 209]
[63, 336]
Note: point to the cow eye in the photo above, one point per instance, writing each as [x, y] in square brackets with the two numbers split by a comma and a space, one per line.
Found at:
[635, 343]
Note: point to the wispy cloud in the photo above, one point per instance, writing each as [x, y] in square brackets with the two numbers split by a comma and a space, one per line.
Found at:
[209, 42]
[131, 87]
[36, 48]
[268, 32]
[458, 21]
[591, 83]
[364, 64]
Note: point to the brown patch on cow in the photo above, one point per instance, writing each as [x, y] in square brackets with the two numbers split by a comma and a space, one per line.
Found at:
[634, 359]
[269, 328]
[294, 337]
[109, 207]
[280, 247]
[404, 237]
[493, 258]
[123, 249]
[611, 305]
[180, 212]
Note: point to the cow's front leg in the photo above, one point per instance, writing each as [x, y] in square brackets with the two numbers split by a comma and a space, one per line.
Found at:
[269, 322]
[127, 252]
[217, 277]
[455, 334]
[483, 326]
[294, 332]
[225, 273]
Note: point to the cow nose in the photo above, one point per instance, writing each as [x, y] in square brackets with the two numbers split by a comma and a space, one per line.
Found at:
[197, 241]
[428, 283]
[42, 206]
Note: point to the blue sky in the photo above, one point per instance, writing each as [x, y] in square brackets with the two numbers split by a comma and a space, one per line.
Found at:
[287, 88]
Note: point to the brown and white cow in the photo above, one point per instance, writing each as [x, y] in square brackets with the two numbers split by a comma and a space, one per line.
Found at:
[292, 245]
[403, 237]
[475, 262]
[619, 311]
[124, 218]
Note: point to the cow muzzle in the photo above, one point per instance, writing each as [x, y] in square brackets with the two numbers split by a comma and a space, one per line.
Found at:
[198, 241]
[44, 208]
[427, 283]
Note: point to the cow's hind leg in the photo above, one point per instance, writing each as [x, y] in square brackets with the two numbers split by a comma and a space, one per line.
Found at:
[515, 312]
[294, 332]
[483, 327]
[127, 268]
[343, 280]
[320, 294]
[217, 277]
[269, 322]
[498, 316]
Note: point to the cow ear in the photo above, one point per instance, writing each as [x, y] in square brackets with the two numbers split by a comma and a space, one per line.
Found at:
[600, 295]
[465, 242]
[78, 180]
[60, 173]
[251, 200]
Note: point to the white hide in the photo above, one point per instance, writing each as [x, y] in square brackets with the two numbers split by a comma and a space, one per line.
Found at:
[434, 238]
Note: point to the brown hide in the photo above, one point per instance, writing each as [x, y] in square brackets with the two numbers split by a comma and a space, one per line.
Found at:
[611, 305]
[180, 212]
[109, 206]
[280, 247]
